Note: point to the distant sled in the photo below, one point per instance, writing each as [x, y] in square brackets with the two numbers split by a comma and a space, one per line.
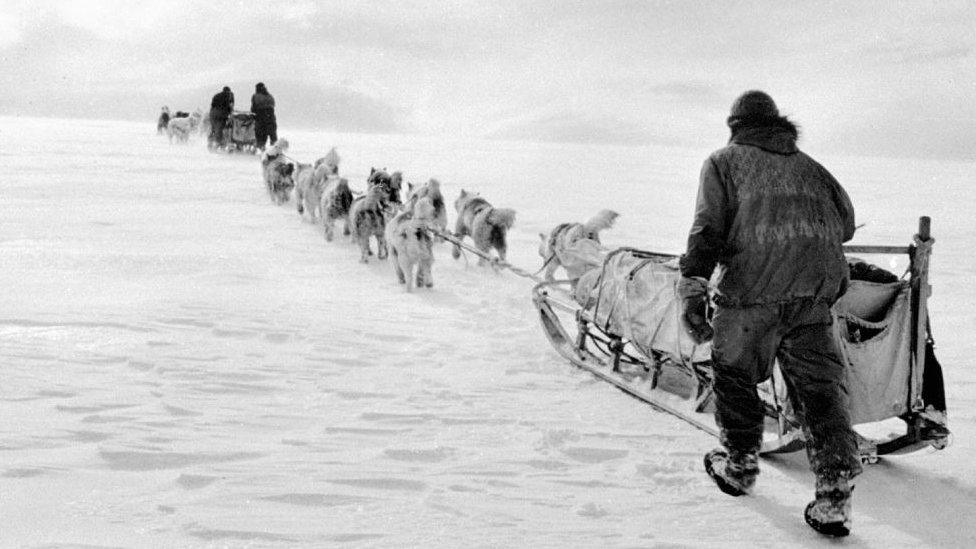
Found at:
[239, 133]
[622, 323]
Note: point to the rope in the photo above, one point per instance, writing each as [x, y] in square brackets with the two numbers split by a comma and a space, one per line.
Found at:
[495, 262]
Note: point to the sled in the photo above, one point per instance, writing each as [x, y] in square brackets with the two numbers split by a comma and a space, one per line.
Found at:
[239, 133]
[622, 323]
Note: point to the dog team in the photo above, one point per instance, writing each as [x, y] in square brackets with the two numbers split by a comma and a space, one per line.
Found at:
[406, 229]
[180, 125]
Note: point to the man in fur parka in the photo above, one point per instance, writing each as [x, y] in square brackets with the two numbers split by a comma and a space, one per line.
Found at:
[773, 221]
[265, 123]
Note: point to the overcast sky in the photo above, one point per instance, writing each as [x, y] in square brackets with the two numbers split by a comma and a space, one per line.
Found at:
[864, 77]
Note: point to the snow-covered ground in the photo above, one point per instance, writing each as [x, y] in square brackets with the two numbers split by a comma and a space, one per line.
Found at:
[186, 364]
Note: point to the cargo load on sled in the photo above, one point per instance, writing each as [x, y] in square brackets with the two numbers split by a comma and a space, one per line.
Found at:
[622, 321]
[239, 133]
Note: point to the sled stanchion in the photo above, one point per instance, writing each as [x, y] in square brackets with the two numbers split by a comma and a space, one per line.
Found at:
[921, 251]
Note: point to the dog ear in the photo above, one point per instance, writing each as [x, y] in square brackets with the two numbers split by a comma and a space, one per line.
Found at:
[542, 237]
[372, 170]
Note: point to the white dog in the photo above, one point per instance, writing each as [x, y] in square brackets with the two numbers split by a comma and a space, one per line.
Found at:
[181, 128]
[564, 246]
[432, 191]
[308, 191]
[411, 245]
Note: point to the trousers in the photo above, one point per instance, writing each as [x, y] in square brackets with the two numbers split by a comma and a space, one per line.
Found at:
[747, 342]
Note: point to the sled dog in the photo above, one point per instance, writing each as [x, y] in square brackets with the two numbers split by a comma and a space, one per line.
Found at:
[278, 172]
[163, 120]
[390, 183]
[366, 219]
[486, 224]
[565, 235]
[181, 128]
[432, 191]
[411, 246]
[328, 164]
[334, 205]
[308, 191]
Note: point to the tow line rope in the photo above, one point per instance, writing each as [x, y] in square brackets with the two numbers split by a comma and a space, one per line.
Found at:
[495, 262]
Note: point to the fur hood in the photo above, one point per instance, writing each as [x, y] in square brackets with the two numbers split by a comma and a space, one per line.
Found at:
[773, 134]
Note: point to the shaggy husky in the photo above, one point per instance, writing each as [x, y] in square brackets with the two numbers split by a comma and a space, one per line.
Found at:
[566, 235]
[390, 183]
[308, 191]
[432, 191]
[411, 245]
[486, 225]
[181, 128]
[328, 164]
[334, 205]
[278, 172]
[367, 218]
[163, 120]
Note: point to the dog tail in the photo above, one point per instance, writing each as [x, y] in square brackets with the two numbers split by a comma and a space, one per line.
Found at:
[504, 217]
[342, 197]
[604, 219]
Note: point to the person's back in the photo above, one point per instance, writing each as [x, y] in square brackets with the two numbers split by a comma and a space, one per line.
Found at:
[787, 220]
[773, 221]
[223, 101]
[221, 106]
[265, 123]
[262, 101]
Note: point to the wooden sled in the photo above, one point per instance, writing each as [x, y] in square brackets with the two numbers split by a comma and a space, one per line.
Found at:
[674, 383]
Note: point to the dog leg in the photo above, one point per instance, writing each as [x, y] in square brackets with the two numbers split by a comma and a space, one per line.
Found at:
[328, 229]
[407, 269]
[397, 268]
[551, 269]
[381, 251]
[424, 279]
[364, 252]
[486, 250]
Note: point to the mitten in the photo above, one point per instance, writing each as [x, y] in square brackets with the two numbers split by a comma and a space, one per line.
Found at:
[693, 292]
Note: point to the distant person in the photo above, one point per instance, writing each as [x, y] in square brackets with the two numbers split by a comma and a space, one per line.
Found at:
[221, 106]
[773, 220]
[265, 125]
[163, 120]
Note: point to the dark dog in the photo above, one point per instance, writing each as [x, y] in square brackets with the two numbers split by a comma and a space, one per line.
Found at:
[486, 225]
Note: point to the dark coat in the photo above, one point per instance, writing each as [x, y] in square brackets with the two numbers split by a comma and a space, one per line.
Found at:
[772, 219]
[262, 102]
[223, 101]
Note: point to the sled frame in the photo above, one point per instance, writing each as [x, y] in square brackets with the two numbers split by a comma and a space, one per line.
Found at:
[613, 359]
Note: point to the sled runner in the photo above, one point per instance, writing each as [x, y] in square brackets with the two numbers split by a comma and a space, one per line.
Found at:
[239, 133]
[622, 322]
